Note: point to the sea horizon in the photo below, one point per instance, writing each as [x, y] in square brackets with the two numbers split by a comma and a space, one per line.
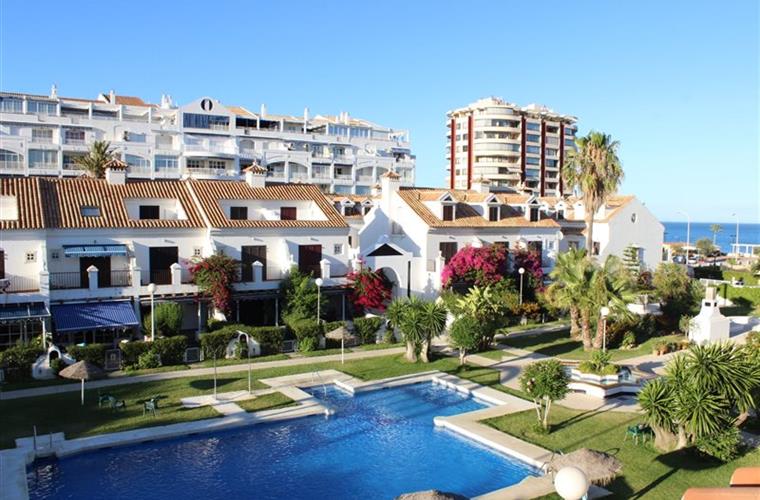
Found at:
[675, 231]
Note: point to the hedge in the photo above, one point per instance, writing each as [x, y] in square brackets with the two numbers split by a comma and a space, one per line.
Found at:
[171, 350]
[366, 328]
[94, 353]
[131, 351]
[216, 342]
[17, 361]
[306, 328]
[269, 337]
[168, 320]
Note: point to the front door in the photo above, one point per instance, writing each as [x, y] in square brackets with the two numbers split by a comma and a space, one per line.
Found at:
[249, 255]
[161, 259]
[308, 259]
[104, 271]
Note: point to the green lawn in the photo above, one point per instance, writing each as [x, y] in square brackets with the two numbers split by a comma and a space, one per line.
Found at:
[235, 361]
[646, 473]
[63, 413]
[320, 352]
[376, 347]
[495, 354]
[533, 325]
[266, 402]
[561, 345]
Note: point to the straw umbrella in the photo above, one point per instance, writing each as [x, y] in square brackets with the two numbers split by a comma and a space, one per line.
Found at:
[82, 370]
[600, 468]
[431, 495]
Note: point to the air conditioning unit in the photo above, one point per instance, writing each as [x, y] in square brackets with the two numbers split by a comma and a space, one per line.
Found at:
[5, 284]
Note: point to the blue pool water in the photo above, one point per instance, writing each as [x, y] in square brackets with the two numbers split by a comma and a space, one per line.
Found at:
[379, 444]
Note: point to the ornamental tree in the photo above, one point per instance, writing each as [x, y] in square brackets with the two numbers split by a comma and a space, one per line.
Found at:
[214, 276]
[369, 289]
[477, 266]
[545, 382]
[466, 334]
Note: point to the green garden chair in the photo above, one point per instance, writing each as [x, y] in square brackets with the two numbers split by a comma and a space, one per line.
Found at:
[150, 406]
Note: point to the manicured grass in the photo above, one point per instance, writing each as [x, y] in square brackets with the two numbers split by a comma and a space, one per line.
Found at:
[646, 473]
[533, 325]
[495, 354]
[377, 347]
[266, 402]
[255, 359]
[561, 345]
[321, 352]
[63, 413]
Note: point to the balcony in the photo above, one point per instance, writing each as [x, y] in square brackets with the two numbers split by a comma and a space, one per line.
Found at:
[364, 178]
[74, 142]
[19, 284]
[74, 279]
[12, 166]
[343, 158]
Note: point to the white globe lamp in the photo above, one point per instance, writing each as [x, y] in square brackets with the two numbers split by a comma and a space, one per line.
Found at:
[571, 483]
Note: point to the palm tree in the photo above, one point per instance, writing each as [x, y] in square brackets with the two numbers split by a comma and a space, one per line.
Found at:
[395, 315]
[94, 163]
[419, 321]
[433, 321]
[566, 278]
[611, 288]
[596, 170]
[715, 229]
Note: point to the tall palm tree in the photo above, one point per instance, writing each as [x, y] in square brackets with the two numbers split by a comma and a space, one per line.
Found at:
[611, 288]
[596, 170]
[94, 162]
[566, 279]
[715, 229]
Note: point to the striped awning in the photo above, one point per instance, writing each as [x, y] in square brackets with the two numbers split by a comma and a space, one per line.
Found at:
[93, 316]
[94, 250]
[20, 312]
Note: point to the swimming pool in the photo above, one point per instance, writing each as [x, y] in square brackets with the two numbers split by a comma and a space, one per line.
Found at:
[377, 445]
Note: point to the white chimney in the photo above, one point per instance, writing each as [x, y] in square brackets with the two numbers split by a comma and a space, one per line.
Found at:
[263, 111]
[376, 190]
[481, 185]
[305, 119]
[54, 91]
[166, 101]
[389, 184]
[112, 97]
[116, 172]
[255, 176]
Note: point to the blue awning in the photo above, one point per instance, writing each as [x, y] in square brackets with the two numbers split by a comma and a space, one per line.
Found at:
[93, 316]
[94, 250]
[20, 312]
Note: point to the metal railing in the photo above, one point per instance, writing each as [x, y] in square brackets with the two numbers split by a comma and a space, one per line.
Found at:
[121, 277]
[20, 284]
[66, 280]
[157, 277]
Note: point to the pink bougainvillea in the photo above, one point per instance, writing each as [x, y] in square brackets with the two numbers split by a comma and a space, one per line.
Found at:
[476, 266]
[370, 289]
[531, 262]
[214, 276]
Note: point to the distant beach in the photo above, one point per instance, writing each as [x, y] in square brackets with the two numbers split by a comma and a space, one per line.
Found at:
[748, 233]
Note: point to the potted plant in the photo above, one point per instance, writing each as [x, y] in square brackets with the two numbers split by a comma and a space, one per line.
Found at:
[660, 348]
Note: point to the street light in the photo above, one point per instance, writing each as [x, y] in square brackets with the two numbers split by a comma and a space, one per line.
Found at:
[521, 271]
[152, 291]
[737, 232]
[571, 483]
[319, 283]
[604, 312]
[688, 235]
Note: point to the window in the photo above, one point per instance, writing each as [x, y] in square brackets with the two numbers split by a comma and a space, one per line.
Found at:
[73, 135]
[42, 158]
[633, 218]
[551, 152]
[239, 213]
[448, 212]
[448, 249]
[534, 214]
[552, 129]
[560, 215]
[570, 142]
[217, 164]
[288, 213]
[533, 126]
[31, 256]
[551, 163]
[89, 211]
[43, 108]
[9, 156]
[596, 248]
[195, 120]
[166, 162]
[10, 105]
[55, 255]
[338, 249]
[42, 135]
[532, 161]
[137, 161]
[197, 252]
[533, 149]
[493, 214]
[148, 212]
[533, 138]
[194, 163]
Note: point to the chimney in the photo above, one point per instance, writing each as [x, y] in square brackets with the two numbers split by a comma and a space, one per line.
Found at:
[111, 97]
[54, 91]
[263, 111]
[166, 101]
[481, 185]
[255, 176]
[305, 119]
[389, 184]
[116, 172]
[376, 190]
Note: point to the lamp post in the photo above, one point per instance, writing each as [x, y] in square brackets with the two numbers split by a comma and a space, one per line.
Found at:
[737, 232]
[571, 483]
[319, 283]
[688, 234]
[604, 312]
[152, 291]
[521, 271]
[249, 365]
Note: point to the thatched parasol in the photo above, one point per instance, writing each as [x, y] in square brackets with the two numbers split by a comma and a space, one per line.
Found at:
[82, 370]
[600, 468]
[431, 495]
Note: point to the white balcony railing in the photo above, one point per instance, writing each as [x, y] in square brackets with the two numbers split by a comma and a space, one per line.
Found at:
[11, 165]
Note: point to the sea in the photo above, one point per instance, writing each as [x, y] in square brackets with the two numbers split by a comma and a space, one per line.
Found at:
[748, 233]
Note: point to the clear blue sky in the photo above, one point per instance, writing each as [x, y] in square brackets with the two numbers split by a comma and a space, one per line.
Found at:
[676, 82]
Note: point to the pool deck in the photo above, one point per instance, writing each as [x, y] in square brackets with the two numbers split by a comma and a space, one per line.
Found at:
[13, 463]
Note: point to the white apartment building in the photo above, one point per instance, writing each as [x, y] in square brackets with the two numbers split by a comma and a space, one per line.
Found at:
[517, 148]
[205, 139]
[78, 255]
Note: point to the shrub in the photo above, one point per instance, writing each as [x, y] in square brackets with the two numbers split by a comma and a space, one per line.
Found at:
[629, 340]
[147, 360]
[683, 324]
[369, 289]
[723, 445]
[530, 310]
[269, 337]
[170, 350]
[476, 266]
[215, 343]
[366, 328]
[57, 365]
[306, 328]
[216, 324]
[661, 347]
[307, 344]
[300, 294]
[466, 335]
[390, 336]
[329, 326]
[131, 351]
[94, 353]
[599, 364]
[17, 361]
[214, 276]
[168, 320]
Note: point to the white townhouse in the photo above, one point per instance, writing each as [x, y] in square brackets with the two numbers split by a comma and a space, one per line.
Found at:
[204, 139]
[411, 233]
[84, 256]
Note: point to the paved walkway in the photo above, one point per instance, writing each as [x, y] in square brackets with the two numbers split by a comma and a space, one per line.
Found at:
[122, 379]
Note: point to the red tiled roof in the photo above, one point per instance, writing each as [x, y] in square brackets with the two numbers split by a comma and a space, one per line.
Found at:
[26, 191]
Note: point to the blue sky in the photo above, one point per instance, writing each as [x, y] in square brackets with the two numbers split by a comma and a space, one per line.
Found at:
[676, 82]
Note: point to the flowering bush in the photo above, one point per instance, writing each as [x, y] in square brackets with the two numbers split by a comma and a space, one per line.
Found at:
[534, 275]
[477, 266]
[370, 289]
[214, 276]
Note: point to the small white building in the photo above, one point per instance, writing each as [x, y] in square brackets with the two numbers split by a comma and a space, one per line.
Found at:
[709, 325]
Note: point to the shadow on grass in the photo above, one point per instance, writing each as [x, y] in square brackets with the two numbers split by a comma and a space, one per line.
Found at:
[208, 384]
[676, 461]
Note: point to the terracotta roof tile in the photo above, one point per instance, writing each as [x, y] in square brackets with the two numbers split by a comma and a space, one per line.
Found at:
[63, 199]
[26, 191]
[210, 192]
[466, 216]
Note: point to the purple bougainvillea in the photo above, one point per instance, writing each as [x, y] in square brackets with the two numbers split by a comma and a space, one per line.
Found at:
[477, 266]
